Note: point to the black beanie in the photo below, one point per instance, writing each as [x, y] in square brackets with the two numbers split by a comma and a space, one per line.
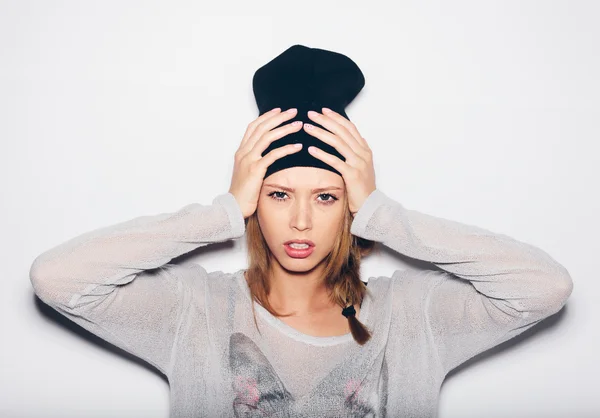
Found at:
[307, 79]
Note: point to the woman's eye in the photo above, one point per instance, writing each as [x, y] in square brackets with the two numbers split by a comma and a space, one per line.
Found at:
[275, 195]
[332, 197]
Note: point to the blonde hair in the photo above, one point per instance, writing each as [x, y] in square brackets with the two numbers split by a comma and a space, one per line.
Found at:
[342, 271]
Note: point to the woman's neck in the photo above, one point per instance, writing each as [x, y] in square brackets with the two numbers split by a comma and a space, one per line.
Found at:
[300, 293]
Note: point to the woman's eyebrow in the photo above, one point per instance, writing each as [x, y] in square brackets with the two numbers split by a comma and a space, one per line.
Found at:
[292, 190]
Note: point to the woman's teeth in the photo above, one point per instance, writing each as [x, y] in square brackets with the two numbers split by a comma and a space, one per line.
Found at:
[299, 246]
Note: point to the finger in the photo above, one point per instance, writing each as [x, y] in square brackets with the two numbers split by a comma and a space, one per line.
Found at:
[272, 136]
[277, 153]
[267, 125]
[252, 126]
[335, 141]
[334, 125]
[332, 160]
[351, 127]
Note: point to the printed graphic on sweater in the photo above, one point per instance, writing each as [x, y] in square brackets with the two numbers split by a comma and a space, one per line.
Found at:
[260, 392]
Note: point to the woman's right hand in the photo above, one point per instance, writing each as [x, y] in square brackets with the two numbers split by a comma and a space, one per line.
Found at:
[250, 167]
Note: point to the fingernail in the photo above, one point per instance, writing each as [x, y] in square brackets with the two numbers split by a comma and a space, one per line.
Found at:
[326, 110]
[292, 110]
[298, 145]
[308, 126]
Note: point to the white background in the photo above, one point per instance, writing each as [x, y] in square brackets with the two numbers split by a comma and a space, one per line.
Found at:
[482, 112]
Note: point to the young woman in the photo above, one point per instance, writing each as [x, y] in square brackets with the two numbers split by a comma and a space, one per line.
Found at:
[298, 334]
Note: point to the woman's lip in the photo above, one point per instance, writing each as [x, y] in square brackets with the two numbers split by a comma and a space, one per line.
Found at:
[298, 253]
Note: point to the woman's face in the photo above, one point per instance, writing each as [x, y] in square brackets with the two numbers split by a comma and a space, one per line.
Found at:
[286, 215]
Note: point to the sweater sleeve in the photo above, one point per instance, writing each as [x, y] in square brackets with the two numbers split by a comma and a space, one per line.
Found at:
[490, 288]
[116, 281]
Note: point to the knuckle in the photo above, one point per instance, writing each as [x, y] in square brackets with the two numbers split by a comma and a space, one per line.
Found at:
[258, 130]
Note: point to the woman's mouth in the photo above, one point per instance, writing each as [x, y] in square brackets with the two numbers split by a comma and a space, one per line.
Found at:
[298, 252]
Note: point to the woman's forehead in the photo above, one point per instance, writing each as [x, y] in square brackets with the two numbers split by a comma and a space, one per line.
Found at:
[305, 178]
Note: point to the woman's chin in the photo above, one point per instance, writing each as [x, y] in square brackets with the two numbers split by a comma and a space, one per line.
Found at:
[298, 265]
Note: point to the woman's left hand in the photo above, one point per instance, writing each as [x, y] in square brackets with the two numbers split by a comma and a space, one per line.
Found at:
[358, 171]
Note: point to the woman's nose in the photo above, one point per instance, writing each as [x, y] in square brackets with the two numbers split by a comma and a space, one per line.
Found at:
[301, 216]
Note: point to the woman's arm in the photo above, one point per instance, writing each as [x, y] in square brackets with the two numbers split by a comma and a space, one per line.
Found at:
[492, 286]
[116, 281]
